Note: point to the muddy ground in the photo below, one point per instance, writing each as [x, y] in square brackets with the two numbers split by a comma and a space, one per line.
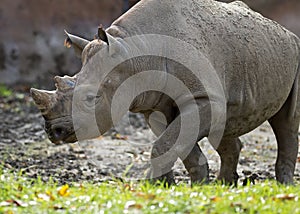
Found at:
[24, 147]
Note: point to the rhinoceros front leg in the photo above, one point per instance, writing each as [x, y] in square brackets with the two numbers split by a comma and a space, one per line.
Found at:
[286, 131]
[163, 156]
[229, 151]
[169, 147]
[195, 163]
[197, 166]
[161, 171]
[158, 125]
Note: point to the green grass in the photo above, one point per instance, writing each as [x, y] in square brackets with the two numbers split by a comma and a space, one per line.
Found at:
[4, 91]
[21, 195]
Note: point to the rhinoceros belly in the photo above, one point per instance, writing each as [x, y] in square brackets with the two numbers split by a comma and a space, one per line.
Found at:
[249, 107]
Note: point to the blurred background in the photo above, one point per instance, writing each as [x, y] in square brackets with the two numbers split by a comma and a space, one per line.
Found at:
[32, 33]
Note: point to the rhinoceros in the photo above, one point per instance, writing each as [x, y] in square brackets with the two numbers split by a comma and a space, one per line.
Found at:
[255, 60]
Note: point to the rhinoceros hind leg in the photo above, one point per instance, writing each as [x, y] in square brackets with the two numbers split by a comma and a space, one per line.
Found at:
[197, 166]
[286, 132]
[229, 151]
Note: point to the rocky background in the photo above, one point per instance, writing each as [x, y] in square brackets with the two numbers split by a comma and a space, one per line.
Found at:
[32, 33]
[32, 36]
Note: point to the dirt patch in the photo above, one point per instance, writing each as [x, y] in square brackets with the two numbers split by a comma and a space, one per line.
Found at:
[24, 146]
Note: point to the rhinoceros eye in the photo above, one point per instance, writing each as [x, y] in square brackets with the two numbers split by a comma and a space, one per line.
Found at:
[91, 100]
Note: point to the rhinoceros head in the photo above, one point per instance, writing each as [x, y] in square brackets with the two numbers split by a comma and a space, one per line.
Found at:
[58, 107]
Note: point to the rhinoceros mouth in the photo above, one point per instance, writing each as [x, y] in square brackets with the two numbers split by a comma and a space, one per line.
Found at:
[65, 141]
[70, 138]
[60, 130]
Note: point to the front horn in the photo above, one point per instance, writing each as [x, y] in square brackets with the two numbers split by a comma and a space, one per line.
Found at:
[43, 99]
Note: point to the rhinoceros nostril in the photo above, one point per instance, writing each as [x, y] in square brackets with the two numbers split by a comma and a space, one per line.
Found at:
[58, 132]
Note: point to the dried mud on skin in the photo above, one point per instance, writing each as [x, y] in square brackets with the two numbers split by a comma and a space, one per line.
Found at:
[25, 147]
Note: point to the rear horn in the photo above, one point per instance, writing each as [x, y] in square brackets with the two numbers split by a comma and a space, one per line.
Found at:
[64, 83]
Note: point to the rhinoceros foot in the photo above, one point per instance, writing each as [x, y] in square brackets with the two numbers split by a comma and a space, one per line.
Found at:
[167, 179]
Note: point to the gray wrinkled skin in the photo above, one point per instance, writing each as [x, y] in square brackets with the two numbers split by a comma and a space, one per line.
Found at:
[256, 59]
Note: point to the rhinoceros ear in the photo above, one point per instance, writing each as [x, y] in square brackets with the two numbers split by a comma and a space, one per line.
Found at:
[43, 99]
[102, 34]
[113, 44]
[76, 42]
